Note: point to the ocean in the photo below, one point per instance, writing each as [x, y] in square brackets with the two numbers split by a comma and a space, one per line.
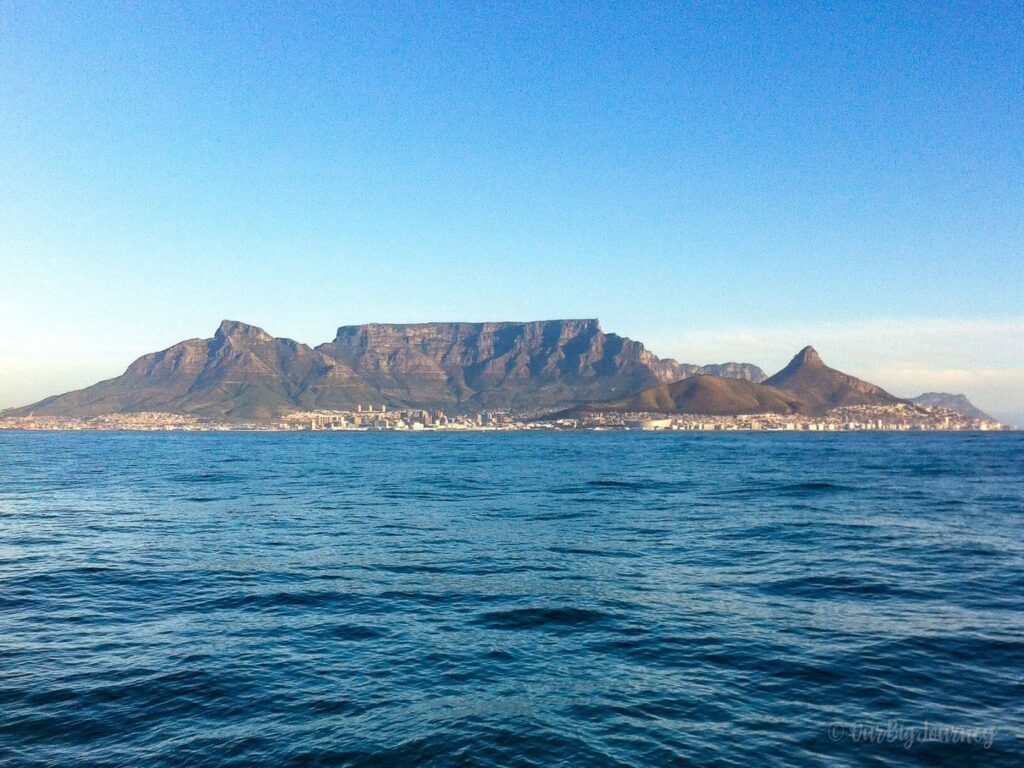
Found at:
[510, 599]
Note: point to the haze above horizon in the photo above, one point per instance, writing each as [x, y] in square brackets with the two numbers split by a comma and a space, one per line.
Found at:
[721, 182]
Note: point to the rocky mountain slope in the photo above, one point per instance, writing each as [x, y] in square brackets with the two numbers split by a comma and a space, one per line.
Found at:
[244, 373]
[806, 386]
[504, 365]
[821, 388]
[708, 395]
[744, 371]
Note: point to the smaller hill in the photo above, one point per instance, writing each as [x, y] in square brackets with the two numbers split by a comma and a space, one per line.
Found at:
[821, 388]
[707, 395]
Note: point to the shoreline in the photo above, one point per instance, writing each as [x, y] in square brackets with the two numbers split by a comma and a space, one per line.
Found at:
[1004, 428]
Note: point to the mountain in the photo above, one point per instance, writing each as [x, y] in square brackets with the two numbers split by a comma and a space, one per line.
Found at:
[957, 403]
[473, 366]
[243, 373]
[805, 386]
[707, 395]
[744, 371]
[479, 366]
[821, 388]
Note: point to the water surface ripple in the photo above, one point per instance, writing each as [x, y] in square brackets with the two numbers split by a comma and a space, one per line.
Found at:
[509, 599]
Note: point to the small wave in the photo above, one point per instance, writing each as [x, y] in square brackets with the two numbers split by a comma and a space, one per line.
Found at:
[270, 601]
[749, 490]
[538, 618]
[417, 597]
[822, 586]
[585, 551]
[816, 485]
[204, 477]
[419, 568]
[618, 484]
[350, 632]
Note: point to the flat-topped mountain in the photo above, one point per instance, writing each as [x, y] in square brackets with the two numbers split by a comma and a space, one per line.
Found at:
[504, 365]
[498, 365]
[956, 403]
[244, 373]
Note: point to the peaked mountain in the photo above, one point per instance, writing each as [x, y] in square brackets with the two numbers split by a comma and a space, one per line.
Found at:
[956, 403]
[243, 373]
[821, 388]
[707, 395]
[805, 386]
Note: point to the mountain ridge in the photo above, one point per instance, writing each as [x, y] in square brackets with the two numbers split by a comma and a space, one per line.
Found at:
[245, 373]
[804, 386]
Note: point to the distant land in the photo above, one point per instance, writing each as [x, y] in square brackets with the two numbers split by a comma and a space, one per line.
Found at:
[958, 403]
[243, 373]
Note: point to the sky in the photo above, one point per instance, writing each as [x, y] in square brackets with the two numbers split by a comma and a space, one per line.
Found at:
[722, 181]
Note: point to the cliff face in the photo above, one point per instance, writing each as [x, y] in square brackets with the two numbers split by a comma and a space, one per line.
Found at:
[244, 373]
[744, 371]
[241, 373]
[468, 366]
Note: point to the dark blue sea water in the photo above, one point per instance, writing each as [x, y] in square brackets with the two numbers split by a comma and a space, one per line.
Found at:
[511, 599]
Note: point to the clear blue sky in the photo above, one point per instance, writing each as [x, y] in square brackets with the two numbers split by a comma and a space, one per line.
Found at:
[690, 173]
